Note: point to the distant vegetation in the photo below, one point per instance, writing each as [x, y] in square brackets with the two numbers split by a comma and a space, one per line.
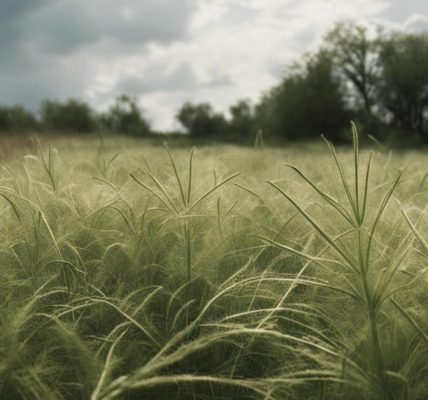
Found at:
[379, 80]
[125, 116]
[72, 115]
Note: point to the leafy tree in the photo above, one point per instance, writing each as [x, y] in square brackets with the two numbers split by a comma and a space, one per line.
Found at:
[242, 118]
[16, 118]
[201, 120]
[125, 116]
[354, 56]
[308, 102]
[404, 80]
[72, 115]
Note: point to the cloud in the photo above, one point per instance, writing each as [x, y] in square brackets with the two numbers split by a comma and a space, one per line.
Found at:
[166, 52]
[57, 48]
[416, 22]
[159, 79]
[398, 11]
[64, 27]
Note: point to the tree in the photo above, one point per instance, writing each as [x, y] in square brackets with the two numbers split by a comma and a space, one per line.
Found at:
[125, 116]
[354, 56]
[242, 118]
[201, 120]
[72, 115]
[17, 118]
[403, 60]
[307, 103]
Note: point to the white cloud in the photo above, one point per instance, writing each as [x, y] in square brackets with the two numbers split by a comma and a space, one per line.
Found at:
[416, 22]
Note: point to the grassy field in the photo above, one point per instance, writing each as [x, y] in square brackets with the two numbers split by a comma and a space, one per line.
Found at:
[130, 271]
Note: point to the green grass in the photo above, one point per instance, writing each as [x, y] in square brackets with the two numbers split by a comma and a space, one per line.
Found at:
[130, 270]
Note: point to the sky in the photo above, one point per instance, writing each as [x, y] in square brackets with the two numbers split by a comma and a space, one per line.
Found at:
[166, 52]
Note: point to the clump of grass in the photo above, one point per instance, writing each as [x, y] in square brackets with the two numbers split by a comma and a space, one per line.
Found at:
[183, 209]
[355, 264]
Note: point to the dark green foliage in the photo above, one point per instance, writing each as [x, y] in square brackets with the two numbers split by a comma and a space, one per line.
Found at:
[307, 103]
[387, 76]
[201, 120]
[355, 57]
[72, 115]
[242, 119]
[16, 118]
[404, 81]
[353, 54]
[124, 116]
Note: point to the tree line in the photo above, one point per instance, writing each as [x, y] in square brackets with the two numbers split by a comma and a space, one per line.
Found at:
[379, 80]
[77, 116]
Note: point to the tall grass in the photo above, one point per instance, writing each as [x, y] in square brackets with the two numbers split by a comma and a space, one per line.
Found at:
[142, 272]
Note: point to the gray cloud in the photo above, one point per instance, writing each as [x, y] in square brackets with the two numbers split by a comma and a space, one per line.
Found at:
[181, 78]
[30, 86]
[12, 10]
[43, 42]
[12, 21]
[65, 26]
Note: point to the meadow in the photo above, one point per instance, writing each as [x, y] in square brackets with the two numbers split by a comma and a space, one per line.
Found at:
[131, 270]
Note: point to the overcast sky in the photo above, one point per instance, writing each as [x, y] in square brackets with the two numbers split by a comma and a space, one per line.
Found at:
[165, 52]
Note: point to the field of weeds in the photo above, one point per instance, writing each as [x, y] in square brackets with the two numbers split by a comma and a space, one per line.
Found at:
[134, 271]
